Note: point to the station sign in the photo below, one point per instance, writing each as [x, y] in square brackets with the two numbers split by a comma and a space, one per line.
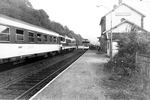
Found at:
[123, 14]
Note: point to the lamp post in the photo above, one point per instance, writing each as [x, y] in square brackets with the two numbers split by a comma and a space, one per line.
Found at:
[111, 37]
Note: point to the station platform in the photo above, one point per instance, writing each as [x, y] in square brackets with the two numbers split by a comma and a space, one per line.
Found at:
[80, 81]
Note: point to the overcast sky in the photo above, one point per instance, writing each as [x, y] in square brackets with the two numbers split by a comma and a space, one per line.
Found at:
[83, 16]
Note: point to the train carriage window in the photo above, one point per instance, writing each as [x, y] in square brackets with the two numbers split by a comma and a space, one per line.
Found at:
[55, 39]
[73, 41]
[69, 41]
[31, 37]
[62, 39]
[58, 39]
[39, 37]
[50, 38]
[4, 33]
[19, 35]
[45, 38]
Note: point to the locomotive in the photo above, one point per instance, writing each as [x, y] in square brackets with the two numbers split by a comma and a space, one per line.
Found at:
[20, 40]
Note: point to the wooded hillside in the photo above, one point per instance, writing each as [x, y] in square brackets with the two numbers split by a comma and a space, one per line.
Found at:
[23, 10]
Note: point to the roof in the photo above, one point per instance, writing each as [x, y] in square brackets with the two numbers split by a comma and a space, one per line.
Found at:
[125, 21]
[102, 19]
[5, 20]
[126, 6]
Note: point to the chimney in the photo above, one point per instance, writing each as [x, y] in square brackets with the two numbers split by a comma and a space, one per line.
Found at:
[120, 2]
[115, 6]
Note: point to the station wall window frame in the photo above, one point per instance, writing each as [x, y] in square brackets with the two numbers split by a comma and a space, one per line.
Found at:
[7, 34]
[19, 34]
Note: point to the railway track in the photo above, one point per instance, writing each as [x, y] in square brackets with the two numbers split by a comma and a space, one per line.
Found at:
[29, 85]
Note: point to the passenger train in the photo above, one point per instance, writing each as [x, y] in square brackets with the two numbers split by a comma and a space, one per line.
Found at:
[85, 44]
[20, 40]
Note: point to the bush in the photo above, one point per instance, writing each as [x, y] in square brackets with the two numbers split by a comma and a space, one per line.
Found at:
[124, 62]
[125, 75]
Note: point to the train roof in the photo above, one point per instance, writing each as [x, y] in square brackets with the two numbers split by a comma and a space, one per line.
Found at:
[5, 20]
[66, 37]
[69, 38]
[61, 36]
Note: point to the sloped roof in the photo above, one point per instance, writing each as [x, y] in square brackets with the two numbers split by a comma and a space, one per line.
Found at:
[116, 35]
[118, 7]
[126, 6]
[134, 9]
[125, 21]
[102, 19]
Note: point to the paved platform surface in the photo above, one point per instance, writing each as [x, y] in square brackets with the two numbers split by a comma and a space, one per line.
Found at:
[81, 81]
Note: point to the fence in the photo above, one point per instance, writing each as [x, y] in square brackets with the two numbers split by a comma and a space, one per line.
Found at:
[143, 61]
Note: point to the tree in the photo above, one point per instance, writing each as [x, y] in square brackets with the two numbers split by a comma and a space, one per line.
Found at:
[124, 62]
[23, 10]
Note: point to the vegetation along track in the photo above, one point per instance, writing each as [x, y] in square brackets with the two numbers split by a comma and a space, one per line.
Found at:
[30, 83]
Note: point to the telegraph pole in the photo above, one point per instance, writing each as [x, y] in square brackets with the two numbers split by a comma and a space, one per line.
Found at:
[111, 53]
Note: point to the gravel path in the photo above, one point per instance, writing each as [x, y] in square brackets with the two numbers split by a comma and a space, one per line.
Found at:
[82, 81]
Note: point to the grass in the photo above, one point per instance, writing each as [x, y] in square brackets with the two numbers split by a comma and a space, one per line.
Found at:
[119, 87]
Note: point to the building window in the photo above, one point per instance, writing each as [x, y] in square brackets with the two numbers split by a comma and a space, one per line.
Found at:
[39, 37]
[31, 37]
[4, 33]
[19, 35]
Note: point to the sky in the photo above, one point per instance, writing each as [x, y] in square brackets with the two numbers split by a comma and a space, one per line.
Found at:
[83, 16]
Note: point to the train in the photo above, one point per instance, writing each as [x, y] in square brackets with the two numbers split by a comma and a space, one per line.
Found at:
[20, 40]
[85, 44]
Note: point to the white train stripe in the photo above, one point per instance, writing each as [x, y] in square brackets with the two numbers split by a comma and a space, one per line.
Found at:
[13, 50]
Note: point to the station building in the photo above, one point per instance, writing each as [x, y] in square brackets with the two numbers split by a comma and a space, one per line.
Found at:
[121, 19]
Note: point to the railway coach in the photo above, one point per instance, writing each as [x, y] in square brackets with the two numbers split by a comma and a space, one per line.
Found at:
[68, 43]
[19, 40]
